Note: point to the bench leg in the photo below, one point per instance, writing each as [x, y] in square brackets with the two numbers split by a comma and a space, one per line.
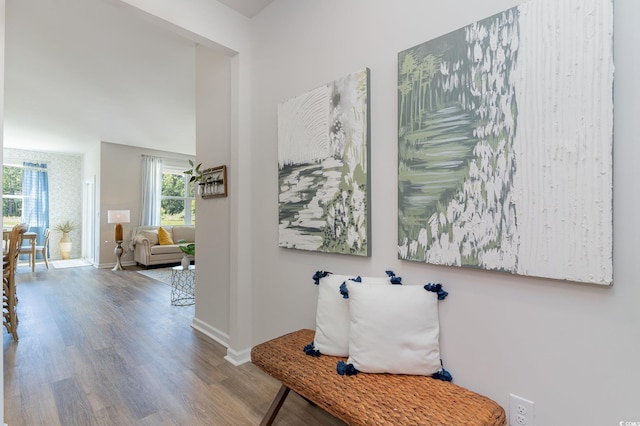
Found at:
[270, 416]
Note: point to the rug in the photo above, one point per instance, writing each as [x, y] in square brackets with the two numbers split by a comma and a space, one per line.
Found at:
[159, 274]
[69, 263]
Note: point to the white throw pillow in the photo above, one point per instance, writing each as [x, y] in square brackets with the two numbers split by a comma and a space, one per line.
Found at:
[152, 236]
[394, 329]
[332, 314]
[186, 233]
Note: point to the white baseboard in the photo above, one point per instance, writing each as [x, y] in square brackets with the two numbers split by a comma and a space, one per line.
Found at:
[238, 357]
[211, 332]
[234, 357]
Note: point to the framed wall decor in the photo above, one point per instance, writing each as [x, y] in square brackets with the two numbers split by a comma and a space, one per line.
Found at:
[505, 140]
[213, 182]
[323, 168]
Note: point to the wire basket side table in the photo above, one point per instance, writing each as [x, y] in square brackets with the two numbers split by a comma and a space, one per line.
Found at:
[182, 285]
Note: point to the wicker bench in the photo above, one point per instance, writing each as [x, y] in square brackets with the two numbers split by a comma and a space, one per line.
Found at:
[368, 399]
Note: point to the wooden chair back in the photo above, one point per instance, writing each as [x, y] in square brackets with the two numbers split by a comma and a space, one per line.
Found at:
[10, 261]
[10, 299]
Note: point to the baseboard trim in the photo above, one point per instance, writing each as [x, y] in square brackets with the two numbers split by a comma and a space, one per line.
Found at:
[211, 332]
[234, 357]
[238, 357]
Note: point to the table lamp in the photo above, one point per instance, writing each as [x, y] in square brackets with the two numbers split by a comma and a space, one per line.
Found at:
[118, 217]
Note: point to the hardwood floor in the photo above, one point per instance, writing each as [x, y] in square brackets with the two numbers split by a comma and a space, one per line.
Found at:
[104, 348]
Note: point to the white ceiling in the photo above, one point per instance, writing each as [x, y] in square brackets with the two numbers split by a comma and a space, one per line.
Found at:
[248, 8]
[78, 72]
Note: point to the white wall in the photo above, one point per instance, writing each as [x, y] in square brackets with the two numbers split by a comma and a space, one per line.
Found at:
[213, 132]
[570, 348]
[119, 189]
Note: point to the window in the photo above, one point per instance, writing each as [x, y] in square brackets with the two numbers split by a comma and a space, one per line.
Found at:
[177, 193]
[12, 196]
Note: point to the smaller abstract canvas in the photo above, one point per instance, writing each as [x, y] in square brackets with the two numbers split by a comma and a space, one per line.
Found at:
[323, 168]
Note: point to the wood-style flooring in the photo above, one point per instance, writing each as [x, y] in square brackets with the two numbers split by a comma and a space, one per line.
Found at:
[106, 348]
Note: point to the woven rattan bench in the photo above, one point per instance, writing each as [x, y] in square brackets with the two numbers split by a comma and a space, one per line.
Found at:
[368, 399]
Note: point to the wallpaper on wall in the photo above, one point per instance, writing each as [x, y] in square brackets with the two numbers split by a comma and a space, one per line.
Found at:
[505, 133]
[65, 192]
[323, 168]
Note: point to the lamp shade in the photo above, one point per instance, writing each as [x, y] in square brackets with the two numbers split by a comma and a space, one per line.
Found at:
[118, 216]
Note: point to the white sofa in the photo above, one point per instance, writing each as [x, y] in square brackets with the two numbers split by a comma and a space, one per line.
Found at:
[148, 251]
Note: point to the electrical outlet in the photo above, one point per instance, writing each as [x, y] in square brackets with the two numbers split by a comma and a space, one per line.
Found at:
[520, 411]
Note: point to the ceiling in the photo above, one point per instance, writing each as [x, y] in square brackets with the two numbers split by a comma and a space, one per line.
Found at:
[78, 72]
[248, 8]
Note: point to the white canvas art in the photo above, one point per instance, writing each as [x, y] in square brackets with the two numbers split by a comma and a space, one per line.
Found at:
[323, 161]
[505, 135]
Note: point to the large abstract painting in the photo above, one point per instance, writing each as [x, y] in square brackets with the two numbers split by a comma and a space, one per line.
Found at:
[505, 133]
[323, 168]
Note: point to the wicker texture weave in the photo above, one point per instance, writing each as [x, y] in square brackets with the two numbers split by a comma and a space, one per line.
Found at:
[371, 399]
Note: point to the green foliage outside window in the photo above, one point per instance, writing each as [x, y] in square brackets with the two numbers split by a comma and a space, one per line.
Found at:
[177, 193]
[12, 195]
[172, 186]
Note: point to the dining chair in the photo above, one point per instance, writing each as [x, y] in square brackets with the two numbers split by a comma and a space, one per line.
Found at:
[38, 249]
[9, 296]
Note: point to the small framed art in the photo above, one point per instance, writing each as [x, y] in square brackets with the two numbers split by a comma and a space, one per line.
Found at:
[214, 182]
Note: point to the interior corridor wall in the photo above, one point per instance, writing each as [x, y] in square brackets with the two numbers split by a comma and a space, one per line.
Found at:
[571, 348]
[213, 91]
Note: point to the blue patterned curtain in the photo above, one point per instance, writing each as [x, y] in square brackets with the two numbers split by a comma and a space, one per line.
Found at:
[35, 199]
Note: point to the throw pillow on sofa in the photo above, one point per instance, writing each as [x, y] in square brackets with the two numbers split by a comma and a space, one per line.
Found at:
[164, 237]
[184, 233]
[151, 235]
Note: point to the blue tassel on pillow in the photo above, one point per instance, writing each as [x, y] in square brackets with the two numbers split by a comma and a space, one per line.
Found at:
[443, 374]
[318, 275]
[346, 369]
[394, 279]
[311, 350]
[344, 291]
[437, 288]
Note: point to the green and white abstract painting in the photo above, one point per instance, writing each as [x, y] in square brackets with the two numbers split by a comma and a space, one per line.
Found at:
[505, 133]
[323, 168]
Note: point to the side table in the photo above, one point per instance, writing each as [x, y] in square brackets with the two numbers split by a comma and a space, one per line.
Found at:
[182, 285]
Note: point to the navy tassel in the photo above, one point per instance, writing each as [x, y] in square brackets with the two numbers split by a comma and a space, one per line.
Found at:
[346, 369]
[394, 279]
[437, 288]
[344, 291]
[318, 275]
[311, 350]
[443, 375]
